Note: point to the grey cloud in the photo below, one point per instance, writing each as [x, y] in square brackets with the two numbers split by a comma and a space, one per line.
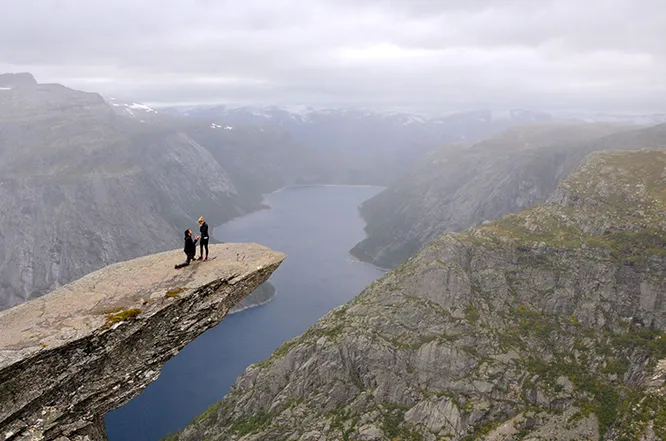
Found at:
[425, 55]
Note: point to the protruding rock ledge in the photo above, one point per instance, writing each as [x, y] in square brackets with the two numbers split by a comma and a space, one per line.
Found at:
[89, 347]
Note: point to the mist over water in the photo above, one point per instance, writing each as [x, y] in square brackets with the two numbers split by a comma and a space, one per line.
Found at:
[316, 226]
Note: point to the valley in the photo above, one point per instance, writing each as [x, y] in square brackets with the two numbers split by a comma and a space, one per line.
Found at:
[527, 281]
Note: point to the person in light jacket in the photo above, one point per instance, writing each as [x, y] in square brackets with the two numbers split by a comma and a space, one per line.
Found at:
[203, 230]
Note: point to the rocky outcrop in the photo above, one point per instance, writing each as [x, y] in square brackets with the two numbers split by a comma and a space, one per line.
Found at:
[456, 187]
[71, 356]
[549, 324]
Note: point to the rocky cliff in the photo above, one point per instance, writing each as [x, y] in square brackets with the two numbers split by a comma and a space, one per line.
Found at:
[87, 348]
[81, 187]
[456, 187]
[543, 325]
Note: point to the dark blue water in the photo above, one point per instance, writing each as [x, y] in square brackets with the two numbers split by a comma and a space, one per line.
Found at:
[316, 227]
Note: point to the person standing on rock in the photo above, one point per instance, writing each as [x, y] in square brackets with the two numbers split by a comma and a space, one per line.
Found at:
[190, 248]
[203, 230]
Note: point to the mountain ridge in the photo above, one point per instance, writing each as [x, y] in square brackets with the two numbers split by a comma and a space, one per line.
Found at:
[456, 187]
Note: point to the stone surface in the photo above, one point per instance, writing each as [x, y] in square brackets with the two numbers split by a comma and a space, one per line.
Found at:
[71, 356]
[544, 325]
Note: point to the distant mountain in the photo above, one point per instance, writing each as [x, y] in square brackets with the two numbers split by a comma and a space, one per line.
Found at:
[457, 187]
[373, 147]
[82, 187]
[10, 80]
[649, 119]
[133, 109]
[259, 159]
[368, 131]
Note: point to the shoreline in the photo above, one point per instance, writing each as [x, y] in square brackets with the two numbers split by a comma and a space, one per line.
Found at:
[266, 195]
[264, 206]
[322, 185]
[245, 308]
[260, 296]
[355, 259]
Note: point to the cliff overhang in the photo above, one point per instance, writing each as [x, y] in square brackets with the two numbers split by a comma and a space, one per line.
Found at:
[89, 347]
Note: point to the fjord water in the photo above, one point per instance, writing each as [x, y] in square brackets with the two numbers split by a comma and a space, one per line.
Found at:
[316, 226]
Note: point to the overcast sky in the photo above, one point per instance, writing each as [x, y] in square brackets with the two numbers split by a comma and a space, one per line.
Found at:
[423, 55]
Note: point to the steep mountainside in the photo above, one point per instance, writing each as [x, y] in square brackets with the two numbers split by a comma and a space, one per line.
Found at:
[544, 325]
[455, 188]
[81, 187]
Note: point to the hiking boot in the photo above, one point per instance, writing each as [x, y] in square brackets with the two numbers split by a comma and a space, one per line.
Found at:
[206, 257]
[200, 257]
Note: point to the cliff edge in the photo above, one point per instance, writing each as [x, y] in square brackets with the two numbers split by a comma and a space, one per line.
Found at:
[89, 347]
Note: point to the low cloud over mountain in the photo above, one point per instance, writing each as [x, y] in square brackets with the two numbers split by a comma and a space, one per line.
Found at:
[419, 55]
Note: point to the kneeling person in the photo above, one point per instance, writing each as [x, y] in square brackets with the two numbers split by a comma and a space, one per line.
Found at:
[190, 248]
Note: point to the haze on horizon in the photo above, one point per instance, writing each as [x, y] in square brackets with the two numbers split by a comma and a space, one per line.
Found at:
[426, 56]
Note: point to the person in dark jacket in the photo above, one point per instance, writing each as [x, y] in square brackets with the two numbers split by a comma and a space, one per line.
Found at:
[190, 248]
[203, 229]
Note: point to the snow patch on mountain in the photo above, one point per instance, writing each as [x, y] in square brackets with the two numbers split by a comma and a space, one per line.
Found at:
[132, 108]
[261, 113]
[139, 106]
[218, 126]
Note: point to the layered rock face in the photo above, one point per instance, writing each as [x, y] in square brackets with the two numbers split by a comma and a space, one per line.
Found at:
[544, 325]
[457, 187]
[89, 347]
